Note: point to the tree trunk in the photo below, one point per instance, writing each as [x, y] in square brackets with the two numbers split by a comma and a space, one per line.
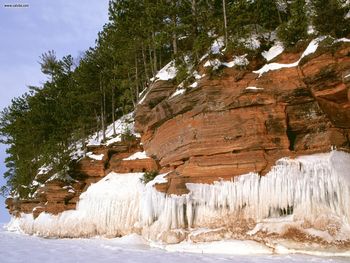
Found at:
[113, 105]
[279, 16]
[193, 6]
[103, 98]
[144, 62]
[174, 35]
[104, 113]
[136, 80]
[154, 53]
[97, 126]
[194, 24]
[174, 44]
[134, 101]
[160, 59]
[225, 21]
[194, 14]
[151, 60]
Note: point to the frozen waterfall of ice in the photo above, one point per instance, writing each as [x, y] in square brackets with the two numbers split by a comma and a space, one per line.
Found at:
[306, 188]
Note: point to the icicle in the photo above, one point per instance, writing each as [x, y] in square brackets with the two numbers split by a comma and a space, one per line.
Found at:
[307, 187]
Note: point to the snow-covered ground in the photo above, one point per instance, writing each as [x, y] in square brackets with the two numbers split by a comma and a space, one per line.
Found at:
[16, 247]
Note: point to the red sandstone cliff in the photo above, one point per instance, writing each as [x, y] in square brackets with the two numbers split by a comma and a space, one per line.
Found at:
[221, 129]
[56, 195]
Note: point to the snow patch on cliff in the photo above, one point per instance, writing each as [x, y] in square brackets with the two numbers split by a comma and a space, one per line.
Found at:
[344, 39]
[97, 157]
[123, 125]
[45, 169]
[137, 155]
[177, 92]
[214, 63]
[253, 88]
[273, 52]
[311, 48]
[217, 45]
[167, 72]
[236, 61]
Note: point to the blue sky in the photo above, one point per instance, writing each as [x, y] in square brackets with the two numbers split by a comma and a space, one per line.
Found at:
[66, 26]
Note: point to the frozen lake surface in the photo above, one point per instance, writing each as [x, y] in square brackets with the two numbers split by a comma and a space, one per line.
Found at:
[16, 247]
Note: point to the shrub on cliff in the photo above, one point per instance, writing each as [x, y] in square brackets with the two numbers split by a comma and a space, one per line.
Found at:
[149, 176]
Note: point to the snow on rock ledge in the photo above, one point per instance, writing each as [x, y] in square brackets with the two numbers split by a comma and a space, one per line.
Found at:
[168, 72]
[97, 157]
[123, 125]
[311, 48]
[137, 155]
[308, 189]
[273, 52]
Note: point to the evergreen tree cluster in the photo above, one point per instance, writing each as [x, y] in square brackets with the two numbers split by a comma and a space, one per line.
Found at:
[82, 95]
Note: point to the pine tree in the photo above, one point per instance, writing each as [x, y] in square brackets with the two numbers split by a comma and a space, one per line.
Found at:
[295, 28]
[266, 14]
[49, 64]
[329, 17]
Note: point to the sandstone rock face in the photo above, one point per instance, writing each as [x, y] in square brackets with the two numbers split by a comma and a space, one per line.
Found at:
[230, 124]
[56, 195]
[133, 166]
[224, 127]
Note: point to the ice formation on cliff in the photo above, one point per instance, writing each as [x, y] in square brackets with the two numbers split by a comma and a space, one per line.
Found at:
[306, 188]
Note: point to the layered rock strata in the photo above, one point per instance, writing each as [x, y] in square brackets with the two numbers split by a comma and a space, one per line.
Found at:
[58, 194]
[237, 121]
